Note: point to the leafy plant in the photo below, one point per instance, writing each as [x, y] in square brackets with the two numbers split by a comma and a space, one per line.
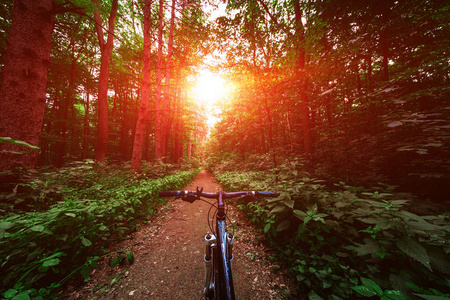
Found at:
[331, 234]
[64, 238]
[370, 288]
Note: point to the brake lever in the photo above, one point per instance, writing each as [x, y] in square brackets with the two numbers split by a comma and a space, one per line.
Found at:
[189, 198]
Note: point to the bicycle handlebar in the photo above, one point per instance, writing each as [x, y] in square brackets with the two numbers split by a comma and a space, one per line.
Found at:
[216, 195]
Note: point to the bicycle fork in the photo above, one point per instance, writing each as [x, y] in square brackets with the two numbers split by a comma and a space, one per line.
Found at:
[210, 242]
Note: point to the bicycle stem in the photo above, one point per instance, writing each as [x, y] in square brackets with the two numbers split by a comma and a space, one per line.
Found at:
[221, 208]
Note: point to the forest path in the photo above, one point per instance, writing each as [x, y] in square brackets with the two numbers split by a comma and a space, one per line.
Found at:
[169, 258]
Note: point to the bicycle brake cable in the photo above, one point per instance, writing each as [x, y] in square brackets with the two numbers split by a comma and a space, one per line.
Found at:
[211, 205]
[211, 224]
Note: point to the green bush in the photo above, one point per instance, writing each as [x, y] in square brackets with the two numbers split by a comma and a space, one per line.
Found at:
[36, 246]
[334, 236]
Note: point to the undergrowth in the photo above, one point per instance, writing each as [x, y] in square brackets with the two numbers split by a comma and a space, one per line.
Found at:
[341, 241]
[70, 215]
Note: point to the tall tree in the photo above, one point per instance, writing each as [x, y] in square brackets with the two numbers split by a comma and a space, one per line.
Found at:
[24, 79]
[144, 110]
[167, 87]
[106, 50]
[302, 77]
[158, 121]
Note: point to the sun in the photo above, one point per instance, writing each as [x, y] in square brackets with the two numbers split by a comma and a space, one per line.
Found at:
[209, 88]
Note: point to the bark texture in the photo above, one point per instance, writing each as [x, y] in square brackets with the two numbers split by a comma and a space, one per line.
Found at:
[106, 50]
[144, 110]
[301, 76]
[158, 121]
[24, 80]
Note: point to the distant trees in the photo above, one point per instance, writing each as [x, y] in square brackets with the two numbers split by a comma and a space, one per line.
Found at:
[90, 102]
[323, 79]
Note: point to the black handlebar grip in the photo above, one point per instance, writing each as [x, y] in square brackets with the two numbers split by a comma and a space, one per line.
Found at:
[267, 194]
[171, 193]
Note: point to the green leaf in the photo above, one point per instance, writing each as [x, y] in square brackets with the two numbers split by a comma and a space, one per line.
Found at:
[37, 228]
[277, 209]
[370, 247]
[284, 225]
[130, 257]
[116, 261]
[289, 203]
[320, 215]
[86, 242]
[5, 224]
[300, 230]
[381, 252]
[85, 271]
[17, 142]
[22, 296]
[372, 285]
[413, 287]
[399, 202]
[314, 296]
[57, 254]
[300, 214]
[51, 262]
[364, 291]
[431, 297]
[267, 227]
[413, 249]
[10, 293]
[395, 295]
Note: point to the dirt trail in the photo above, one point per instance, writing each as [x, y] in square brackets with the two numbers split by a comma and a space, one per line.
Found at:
[169, 258]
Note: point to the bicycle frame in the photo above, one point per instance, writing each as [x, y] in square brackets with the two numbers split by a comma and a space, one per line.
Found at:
[226, 289]
[218, 254]
[220, 245]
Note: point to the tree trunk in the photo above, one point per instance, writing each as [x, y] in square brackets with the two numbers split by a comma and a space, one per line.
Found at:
[62, 149]
[288, 123]
[24, 80]
[106, 50]
[384, 37]
[369, 82]
[269, 121]
[86, 126]
[165, 119]
[177, 121]
[304, 109]
[158, 121]
[43, 158]
[145, 98]
[189, 147]
[123, 144]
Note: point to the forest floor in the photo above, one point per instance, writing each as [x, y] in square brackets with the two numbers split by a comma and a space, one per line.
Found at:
[169, 258]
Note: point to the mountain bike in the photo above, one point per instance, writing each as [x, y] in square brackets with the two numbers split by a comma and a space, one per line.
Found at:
[219, 245]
